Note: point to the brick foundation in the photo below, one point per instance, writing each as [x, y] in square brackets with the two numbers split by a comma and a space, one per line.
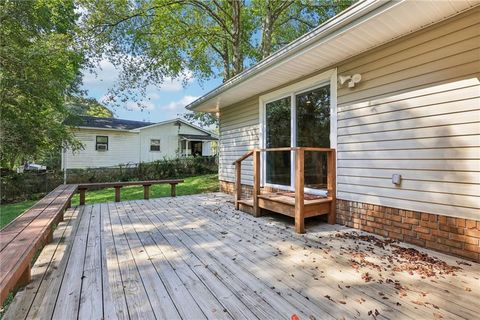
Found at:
[455, 236]
[229, 188]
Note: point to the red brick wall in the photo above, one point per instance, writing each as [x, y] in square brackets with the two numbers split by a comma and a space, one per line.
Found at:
[460, 237]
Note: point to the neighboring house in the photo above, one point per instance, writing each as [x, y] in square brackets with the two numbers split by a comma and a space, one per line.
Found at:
[111, 142]
[393, 86]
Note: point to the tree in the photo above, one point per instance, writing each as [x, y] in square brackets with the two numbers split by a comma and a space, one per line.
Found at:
[81, 106]
[151, 40]
[39, 65]
[280, 21]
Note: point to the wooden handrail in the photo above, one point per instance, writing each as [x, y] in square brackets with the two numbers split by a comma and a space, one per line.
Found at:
[82, 187]
[299, 180]
[245, 156]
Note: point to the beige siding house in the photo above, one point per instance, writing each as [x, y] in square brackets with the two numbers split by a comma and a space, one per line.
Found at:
[109, 142]
[402, 81]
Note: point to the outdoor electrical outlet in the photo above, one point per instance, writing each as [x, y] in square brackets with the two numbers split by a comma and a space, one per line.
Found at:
[396, 179]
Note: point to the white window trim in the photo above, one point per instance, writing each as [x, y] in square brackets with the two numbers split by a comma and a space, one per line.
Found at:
[159, 145]
[327, 77]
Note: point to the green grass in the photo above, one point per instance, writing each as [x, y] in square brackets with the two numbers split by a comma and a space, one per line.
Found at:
[8, 212]
[192, 185]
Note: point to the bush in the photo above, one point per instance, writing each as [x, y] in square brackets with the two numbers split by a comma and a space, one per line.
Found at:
[23, 186]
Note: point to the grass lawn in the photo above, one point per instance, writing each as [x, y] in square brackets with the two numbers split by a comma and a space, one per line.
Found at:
[8, 212]
[192, 185]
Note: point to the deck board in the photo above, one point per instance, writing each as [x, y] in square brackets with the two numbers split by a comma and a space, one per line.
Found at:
[195, 257]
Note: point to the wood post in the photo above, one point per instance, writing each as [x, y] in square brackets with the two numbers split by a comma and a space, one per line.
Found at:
[82, 196]
[26, 276]
[173, 191]
[256, 182]
[238, 184]
[69, 203]
[299, 191]
[117, 193]
[146, 191]
[332, 186]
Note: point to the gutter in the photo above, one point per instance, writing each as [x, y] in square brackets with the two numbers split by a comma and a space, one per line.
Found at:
[330, 26]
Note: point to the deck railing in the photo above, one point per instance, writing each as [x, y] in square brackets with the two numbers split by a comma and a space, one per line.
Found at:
[299, 180]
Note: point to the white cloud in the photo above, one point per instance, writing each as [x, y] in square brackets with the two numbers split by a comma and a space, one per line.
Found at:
[174, 105]
[138, 106]
[106, 74]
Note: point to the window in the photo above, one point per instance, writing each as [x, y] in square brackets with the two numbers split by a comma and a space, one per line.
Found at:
[101, 143]
[154, 144]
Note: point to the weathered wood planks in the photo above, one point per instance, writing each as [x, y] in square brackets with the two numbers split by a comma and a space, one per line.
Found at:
[195, 257]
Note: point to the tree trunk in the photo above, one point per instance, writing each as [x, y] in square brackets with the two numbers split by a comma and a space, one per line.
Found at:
[226, 62]
[267, 26]
[237, 58]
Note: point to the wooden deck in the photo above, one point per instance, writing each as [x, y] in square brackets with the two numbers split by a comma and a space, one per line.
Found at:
[196, 257]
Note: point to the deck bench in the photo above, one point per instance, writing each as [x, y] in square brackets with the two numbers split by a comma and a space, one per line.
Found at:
[83, 187]
[23, 237]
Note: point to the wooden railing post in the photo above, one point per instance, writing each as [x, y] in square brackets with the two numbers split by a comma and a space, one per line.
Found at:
[238, 183]
[146, 191]
[256, 182]
[82, 195]
[117, 193]
[173, 190]
[332, 185]
[299, 191]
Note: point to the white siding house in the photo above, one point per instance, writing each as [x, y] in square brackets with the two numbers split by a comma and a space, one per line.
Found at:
[109, 142]
[414, 112]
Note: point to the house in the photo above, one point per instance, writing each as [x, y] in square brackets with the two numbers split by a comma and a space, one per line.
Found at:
[392, 87]
[111, 142]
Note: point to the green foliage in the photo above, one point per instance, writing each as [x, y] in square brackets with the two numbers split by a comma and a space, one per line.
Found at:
[203, 119]
[81, 106]
[152, 40]
[39, 64]
[32, 185]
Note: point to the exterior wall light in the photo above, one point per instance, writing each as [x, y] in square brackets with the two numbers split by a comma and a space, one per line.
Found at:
[352, 80]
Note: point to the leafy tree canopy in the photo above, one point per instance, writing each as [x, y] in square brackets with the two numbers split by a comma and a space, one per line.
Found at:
[87, 107]
[151, 40]
[39, 65]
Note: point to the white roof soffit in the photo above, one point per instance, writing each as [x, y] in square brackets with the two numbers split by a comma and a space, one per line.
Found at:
[364, 26]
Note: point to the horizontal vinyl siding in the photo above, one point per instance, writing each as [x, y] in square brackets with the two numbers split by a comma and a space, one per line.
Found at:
[416, 112]
[169, 141]
[239, 130]
[123, 148]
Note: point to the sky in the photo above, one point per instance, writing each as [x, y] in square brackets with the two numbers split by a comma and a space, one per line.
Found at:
[167, 101]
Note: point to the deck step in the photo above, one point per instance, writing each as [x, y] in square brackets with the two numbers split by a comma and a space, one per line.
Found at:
[291, 200]
[284, 204]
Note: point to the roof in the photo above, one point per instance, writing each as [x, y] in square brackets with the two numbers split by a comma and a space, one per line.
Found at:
[128, 125]
[180, 121]
[362, 27]
[197, 137]
[108, 123]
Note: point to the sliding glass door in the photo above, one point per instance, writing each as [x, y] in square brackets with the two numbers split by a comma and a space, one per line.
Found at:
[277, 135]
[313, 130]
[302, 119]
